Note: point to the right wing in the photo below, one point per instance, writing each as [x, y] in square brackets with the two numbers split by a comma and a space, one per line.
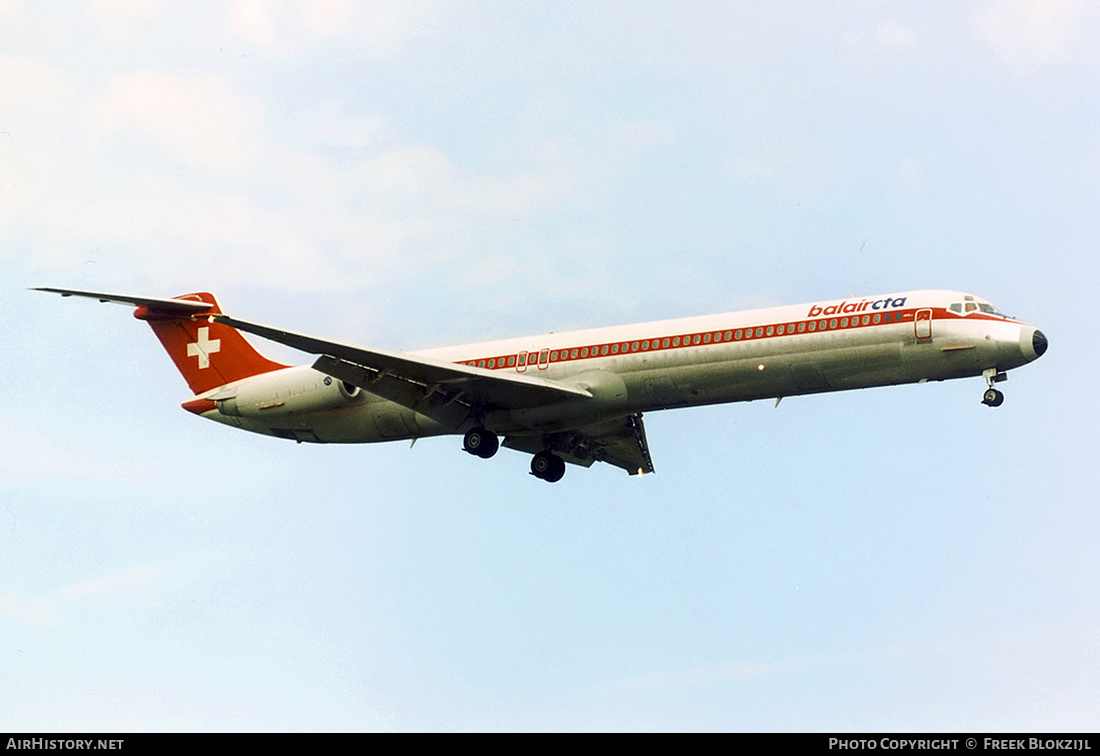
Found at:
[433, 388]
[413, 381]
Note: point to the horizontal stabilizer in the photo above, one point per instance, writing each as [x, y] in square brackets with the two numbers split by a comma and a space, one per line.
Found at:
[207, 354]
[166, 307]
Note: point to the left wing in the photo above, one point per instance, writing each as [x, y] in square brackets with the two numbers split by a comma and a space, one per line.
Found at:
[620, 442]
[419, 383]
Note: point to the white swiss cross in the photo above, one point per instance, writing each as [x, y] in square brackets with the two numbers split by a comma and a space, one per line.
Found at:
[204, 347]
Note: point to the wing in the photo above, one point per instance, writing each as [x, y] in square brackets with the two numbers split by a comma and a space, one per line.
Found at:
[420, 383]
[620, 442]
[434, 388]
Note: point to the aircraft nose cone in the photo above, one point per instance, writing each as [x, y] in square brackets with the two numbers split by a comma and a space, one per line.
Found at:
[1039, 343]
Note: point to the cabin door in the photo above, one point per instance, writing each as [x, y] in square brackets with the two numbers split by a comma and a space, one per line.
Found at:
[923, 324]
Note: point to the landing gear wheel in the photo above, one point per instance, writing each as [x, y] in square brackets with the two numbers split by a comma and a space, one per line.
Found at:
[992, 398]
[481, 443]
[548, 467]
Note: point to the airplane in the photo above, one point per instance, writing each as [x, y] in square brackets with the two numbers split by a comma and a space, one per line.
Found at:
[576, 397]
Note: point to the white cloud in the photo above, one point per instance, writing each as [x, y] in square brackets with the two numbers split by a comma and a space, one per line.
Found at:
[128, 586]
[113, 9]
[1031, 34]
[254, 20]
[280, 28]
[795, 167]
[198, 115]
[177, 170]
[888, 36]
[896, 36]
[29, 84]
[911, 175]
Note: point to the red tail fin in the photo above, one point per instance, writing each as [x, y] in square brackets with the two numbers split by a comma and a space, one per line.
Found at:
[207, 354]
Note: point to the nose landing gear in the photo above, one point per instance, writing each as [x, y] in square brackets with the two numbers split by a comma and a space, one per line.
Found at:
[992, 397]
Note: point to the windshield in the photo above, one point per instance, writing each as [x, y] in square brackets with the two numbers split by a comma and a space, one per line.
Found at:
[971, 305]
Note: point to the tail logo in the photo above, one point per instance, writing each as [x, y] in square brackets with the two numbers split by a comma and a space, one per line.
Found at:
[204, 347]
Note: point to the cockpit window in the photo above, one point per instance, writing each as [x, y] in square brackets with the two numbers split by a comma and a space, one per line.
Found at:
[971, 306]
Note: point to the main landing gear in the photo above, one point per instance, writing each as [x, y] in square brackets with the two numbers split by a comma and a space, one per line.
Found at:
[992, 397]
[481, 443]
[548, 467]
[484, 443]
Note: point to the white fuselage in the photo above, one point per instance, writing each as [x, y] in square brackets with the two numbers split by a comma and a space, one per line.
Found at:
[768, 353]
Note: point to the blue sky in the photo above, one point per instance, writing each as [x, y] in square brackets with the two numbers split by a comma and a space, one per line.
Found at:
[420, 174]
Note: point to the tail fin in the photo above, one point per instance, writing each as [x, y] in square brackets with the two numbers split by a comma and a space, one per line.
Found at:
[206, 353]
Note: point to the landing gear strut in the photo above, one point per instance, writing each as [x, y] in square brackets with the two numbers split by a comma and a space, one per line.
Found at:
[548, 467]
[481, 443]
[992, 397]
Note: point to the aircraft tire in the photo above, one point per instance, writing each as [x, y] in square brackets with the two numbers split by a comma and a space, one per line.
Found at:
[481, 443]
[548, 467]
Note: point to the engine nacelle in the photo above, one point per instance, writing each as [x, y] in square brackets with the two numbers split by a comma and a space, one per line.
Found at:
[285, 392]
